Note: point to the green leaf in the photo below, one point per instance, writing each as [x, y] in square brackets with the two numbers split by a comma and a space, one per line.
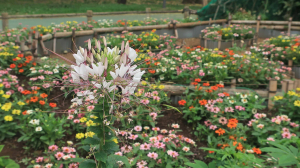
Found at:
[92, 141]
[101, 156]
[169, 165]
[271, 149]
[112, 160]
[197, 164]
[174, 108]
[87, 164]
[1, 147]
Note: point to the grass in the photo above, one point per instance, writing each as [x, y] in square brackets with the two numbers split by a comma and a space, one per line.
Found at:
[44, 7]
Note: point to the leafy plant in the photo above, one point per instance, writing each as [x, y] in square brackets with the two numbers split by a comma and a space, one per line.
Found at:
[5, 162]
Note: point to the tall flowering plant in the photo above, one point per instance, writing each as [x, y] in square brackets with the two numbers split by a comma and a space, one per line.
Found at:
[103, 78]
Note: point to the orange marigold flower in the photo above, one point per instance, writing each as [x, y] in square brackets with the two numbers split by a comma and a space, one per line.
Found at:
[12, 66]
[240, 147]
[203, 102]
[211, 151]
[24, 112]
[206, 84]
[198, 80]
[182, 102]
[194, 83]
[220, 131]
[234, 120]
[220, 86]
[231, 125]
[44, 95]
[34, 64]
[20, 55]
[234, 143]
[226, 94]
[52, 105]
[256, 150]
[34, 99]
[42, 102]
[208, 91]
[214, 87]
[191, 107]
[21, 70]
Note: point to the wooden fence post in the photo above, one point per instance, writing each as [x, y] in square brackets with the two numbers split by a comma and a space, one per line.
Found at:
[73, 41]
[284, 85]
[36, 42]
[186, 12]
[54, 42]
[297, 84]
[4, 21]
[272, 92]
[89, 15]
[289, 26]
[148, 10]
[29, 42]
[22, 46]
[258, 23]
[209, 21]
[233, 83]
[205, 42]
[204, 3]
[290, 64]
[229, 19]
[219, 41]
[291, 85]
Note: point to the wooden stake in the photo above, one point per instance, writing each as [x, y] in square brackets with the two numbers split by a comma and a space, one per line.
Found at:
[229, 19]
[291, 84]
[4, 21]
[73, 42]
[219, 41]
[289, 26]
[54, 42]
[233, 83]
[186, 12]
[148, 10]
[272, 92]
[205, 42]
[284, 85]
[36, 42]
[89, 15]
[209, 21]
[45, 51]
[258, 23]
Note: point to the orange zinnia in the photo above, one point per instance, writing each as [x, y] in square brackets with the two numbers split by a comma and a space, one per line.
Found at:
[206, 84]
[42, 102]
[194, 83]
[24, 112]
[191, 107]
[44, 95]
[234, 120]
[21, 70]
[52, 105]
[231, 125]
[12, 66]
[226, 94]
[203, 102]
[34, 64]
[214, 87]
[240, 147]
[234, 143]
[211, 151]
[208, 91]
[199, 88]
[256, 150]
[20, 65]
[20, 55]
[182, 102]
[198, 80]
[220, 131]
[34, 99]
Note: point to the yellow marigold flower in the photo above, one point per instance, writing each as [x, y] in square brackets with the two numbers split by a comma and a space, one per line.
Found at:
[90, 123]
[17, 112]
[8, 118]
[89, 134]
[278, 98]
[79, 135]
[83, 119]
[294, 58]
[1, 92]
[161, 86]
[1, 84]
[21, 103]
[291, 93]
[6, 106]
[94, 117]
[6, 96]
[153, 86]
[297, 103]
[144, 83]
[115, 140]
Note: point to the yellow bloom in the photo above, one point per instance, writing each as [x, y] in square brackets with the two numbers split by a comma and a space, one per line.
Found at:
[115, 140]
[18, 112]
[83, 119]
[90, 123]
[278, 98]
[94, 117]
[6, 96]
[298, 89]
[144, 83]
[294, 58]
[283, 40]
[1, 92]
[161, 86]
[153, 86]
[6, 106]
[89, 134]
[79, 135]
[21, 103]
[8, 118]
[297, 103]
[1, 84]
[291, 93]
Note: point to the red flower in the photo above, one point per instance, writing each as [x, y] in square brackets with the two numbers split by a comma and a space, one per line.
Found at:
[21, 70]
[20, 55]
[182, 102]
[12, 66]
[198, 80]
[52, 105]
[206, 84]
[20, 65]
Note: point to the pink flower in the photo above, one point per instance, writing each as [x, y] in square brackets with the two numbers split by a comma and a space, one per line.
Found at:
[133, 137]
[186, 149]
[59, 155]
[119, 153]
[141, 163]
[166, 139]
[175, 125]
[20, 89]
[153, 115]
[213, 127]
[65, 77]
[207, 123]
[53, 148]
[80, 115]
[145, 146]
[66, 149]
[172, 153]
[159, 145]
[123, 133]
[73, 165]
[76, 121]
[138, 128]
[201, 73]
[152, 155]
[294, 124]
[90, 108]
[156, 129]
[72, 156]
[39, 159]
[285, 130]
[126, 149]
[270, 139]
[145, 101]
[70, 117]
[286, 135]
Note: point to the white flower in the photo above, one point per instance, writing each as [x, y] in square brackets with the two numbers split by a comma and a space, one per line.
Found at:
[254, 111]
[69, 142]
[57, 66]
[38, 129]
[78, 57]
[34, 71]
[244, 96]
[261, 126]
[55, 70]
[244, 100]
[44, 58]
[49, 165]
[29, 112]
[164, 69]
[35, 122]
[46, 66]
[256, 97]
